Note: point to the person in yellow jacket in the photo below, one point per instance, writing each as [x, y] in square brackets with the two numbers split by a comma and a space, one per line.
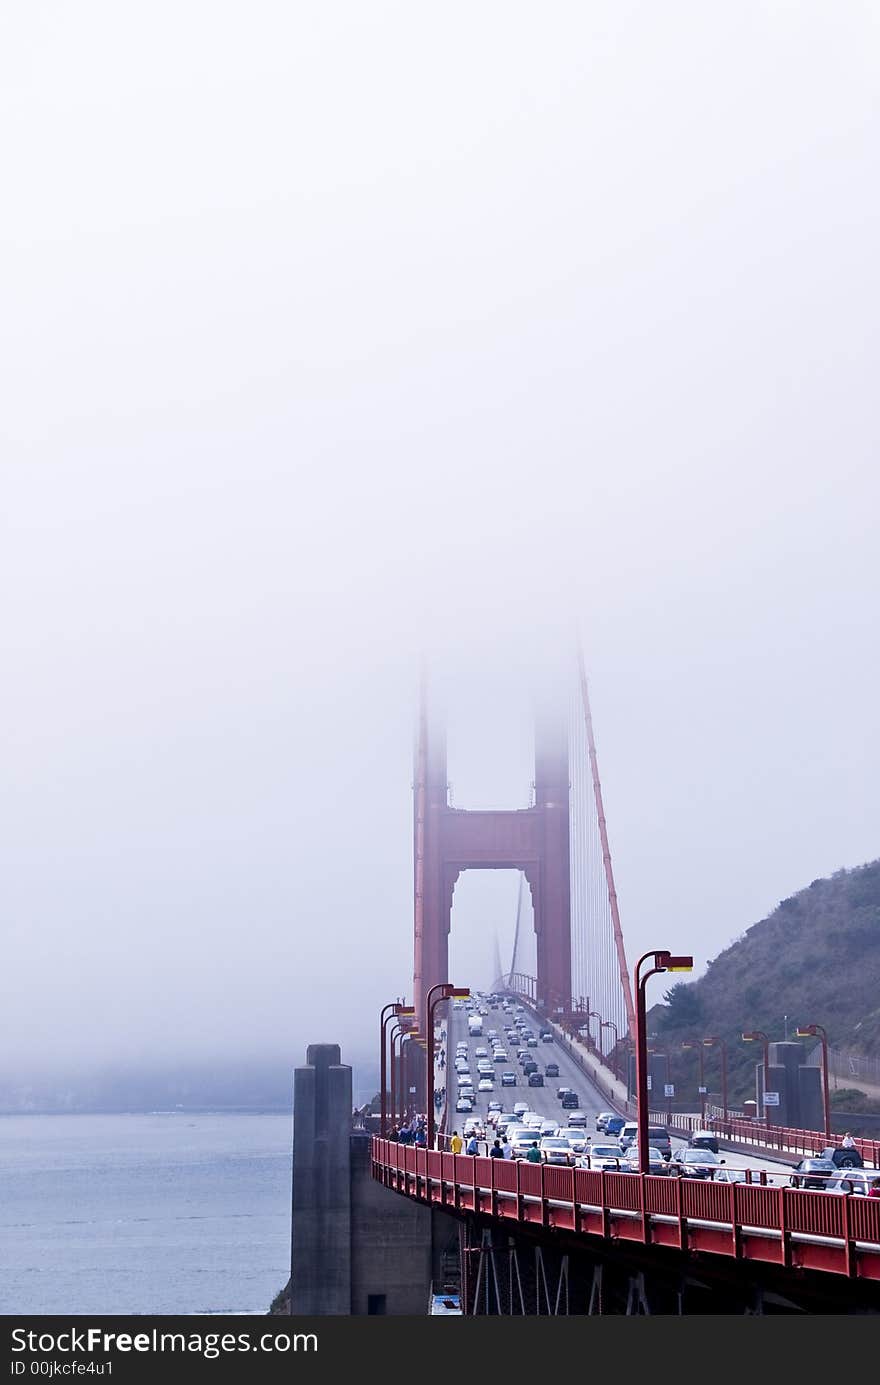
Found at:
[456, 1142]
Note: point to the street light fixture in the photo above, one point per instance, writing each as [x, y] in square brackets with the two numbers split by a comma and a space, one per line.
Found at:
[810, 1031]
[399, 1030]
[714, 1041]
[758, 1036]
[698, 1045]
[405, 1064]
[662, 961]
[394, 1009]
[445, 991]
[609, 1024]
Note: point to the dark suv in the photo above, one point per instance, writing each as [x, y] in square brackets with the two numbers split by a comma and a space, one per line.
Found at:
[843, 1158]
[536, 1079]
[551, 1070]
[570, 1101]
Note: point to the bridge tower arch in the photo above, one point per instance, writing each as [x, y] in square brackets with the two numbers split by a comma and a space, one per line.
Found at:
[534, 840]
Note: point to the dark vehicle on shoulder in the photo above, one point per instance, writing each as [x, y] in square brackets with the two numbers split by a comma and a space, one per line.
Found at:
[842, 1158]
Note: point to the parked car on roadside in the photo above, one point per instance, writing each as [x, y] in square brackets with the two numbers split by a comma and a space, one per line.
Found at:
[842, 1158]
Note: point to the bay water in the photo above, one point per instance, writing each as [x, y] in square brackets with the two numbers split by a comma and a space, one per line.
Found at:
[162, 1213]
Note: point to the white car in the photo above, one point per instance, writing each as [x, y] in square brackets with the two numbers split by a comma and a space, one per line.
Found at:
[495, 1106]
[520, 1108]
[577, 1139]
[555, 1150]
[485, 1084]
[522, 1142]
[533, 1120]
[628, 1134]
[464, 1103]
[607, 1157]
[465, 1079]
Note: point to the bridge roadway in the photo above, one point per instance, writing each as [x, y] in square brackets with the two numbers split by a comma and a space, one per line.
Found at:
[544, 1099]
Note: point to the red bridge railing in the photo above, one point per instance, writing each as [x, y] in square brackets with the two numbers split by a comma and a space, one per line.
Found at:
[792, 1228]
[775, 1137]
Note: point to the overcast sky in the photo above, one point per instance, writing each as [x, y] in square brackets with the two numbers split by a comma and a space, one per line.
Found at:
[334, 333]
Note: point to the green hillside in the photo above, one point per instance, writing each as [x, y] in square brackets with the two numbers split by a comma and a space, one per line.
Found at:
[816, 959]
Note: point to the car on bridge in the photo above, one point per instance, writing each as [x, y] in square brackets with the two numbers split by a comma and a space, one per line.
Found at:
[530, 1068]
[578, 1118]
[614, 1125]
[522, 1143]
[485, 1084]
[546, 1036]
[726, 1175]
[859, 1181]
[520, 1108]
[570, 1101]
[601, 1118]
[704, 1139]
[629, 1132]
[814, 1173]
[560, 1092]
[697, 1163]
[551, 1070]
[536, 1079]
[842, 1158]
[577, 1139]
[555, 1150]
[508, 1079]
[464, 1103]
[656, 1163]
[532, 1041]
[603, 1157]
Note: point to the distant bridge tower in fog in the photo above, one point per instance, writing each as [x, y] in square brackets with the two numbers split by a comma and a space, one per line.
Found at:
[559, 843]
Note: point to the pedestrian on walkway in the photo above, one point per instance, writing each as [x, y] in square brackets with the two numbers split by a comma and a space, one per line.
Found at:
[455, 1143]
[534, 1154]
[847, 1142]
[496, 1152]
[473, 1145]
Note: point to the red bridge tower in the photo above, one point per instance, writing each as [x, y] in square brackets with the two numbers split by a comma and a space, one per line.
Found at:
[534, 840]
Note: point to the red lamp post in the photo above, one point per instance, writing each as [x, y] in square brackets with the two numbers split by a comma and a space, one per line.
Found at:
[609, 1024]
[805, 1031]
[662, 961]
[715, 1042]
[393, 1010]
[445, 991]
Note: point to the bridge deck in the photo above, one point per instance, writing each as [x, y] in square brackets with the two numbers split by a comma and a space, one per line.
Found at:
[790, 1228]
